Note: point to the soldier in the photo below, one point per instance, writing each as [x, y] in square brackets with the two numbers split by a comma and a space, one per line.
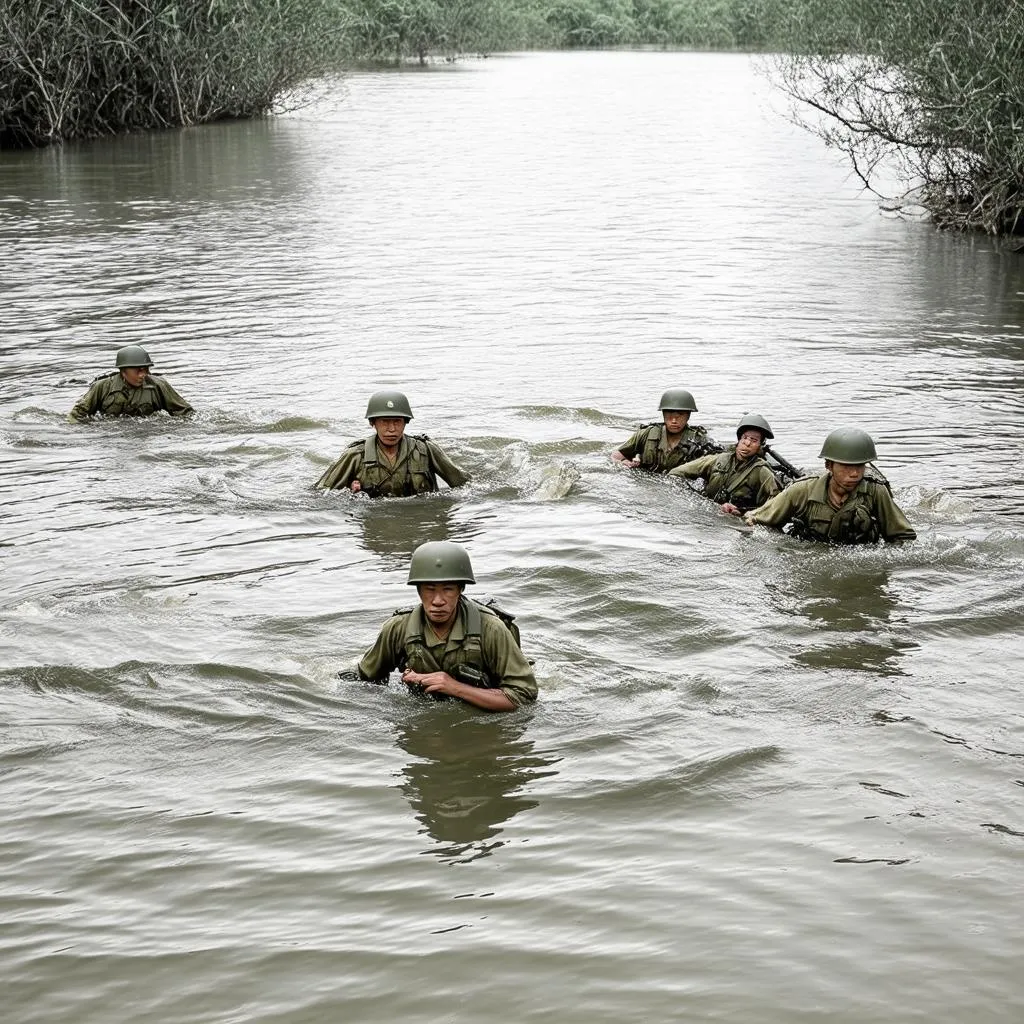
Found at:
[449, 645]
[739, 478]
[391, 463]
[842, 506]
[659, 447]
[129, 390]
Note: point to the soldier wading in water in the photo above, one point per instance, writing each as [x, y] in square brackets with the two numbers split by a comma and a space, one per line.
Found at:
[129, 390]
[659, 447]
[448, 645]
[739, 478]
[842, 506]
[390, 463]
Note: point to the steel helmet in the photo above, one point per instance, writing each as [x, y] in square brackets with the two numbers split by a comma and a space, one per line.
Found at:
[848, 445]
[677, 400]
[751, 421]
[440, 561]
[132, 356]
[387, 404]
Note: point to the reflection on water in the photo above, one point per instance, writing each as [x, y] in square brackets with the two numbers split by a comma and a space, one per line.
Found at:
[537, 247]
[470, 776]
[852, 608]
[394, 527]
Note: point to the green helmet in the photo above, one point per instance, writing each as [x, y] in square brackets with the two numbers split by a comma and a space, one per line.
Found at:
[132, 356]
[440, 561]
[387, 404]
[677, 400]
[751, 421]
[848, 445]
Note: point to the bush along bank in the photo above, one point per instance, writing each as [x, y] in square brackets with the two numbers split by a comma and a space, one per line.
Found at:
[83, 68]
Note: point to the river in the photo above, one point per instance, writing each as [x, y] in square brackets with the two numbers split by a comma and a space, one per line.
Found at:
[764, 782]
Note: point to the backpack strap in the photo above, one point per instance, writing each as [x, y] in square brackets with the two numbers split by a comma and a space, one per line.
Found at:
[415, 640]
[370, 450]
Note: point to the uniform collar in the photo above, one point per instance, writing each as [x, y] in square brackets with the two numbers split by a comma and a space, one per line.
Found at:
[458, 632]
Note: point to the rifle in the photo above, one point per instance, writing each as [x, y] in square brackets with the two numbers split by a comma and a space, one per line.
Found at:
[787, 467]
[709, 446]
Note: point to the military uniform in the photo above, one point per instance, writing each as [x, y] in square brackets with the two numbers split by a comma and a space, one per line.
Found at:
[650, 443]
[869, 514]
[417, 466]
[112, 395]
[745, 484]
[478, 638]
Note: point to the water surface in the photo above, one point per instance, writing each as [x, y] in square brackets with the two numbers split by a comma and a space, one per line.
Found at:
[765, 781]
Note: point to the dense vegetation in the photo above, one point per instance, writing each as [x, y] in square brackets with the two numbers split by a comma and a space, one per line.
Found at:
[393, 29]
[933, 88]
[80, 68]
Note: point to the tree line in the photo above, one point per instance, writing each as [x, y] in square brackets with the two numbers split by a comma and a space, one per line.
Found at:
[930, 88]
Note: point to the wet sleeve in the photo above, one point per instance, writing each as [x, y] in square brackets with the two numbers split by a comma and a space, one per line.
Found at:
[632, 448]
[445, 468]
[768, 486]
[341, 474]
[695, 468]
[88, 405]
[383, 657]
[781, 509]
[504, 659]
[891, 518]
[172, 401]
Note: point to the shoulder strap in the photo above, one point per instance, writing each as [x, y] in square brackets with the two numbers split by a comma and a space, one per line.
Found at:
[474, 623]
[104, 376]
[874, 475]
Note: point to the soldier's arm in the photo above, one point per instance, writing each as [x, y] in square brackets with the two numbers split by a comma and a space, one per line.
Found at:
[445, 468]
[631, 449]
[777, 511]
[384, 656]
[768, 485]
[341, 473]
[88, 405]
[172, 401]
[694, 468]
[891, 518]
[505, 660]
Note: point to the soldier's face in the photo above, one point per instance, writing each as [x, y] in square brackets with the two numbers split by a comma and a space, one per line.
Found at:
[440, 602]
[846, 476]
[675, 422]
[749, 443]
[135, 375]
[389, 429]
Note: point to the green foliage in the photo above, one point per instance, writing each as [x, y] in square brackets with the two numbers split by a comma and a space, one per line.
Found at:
[932, 88]
[80, 68]
[74, 68]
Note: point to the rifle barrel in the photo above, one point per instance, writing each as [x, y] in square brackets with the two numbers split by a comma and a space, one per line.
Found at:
[784, 463]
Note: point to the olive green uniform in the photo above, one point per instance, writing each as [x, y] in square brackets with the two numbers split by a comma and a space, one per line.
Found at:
[407, 641]
[868, 514]
[112, 395]
[745, 484]
[650, 444]
[417, 466]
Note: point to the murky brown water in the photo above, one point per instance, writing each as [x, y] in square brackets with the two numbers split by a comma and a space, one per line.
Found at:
[765, 782]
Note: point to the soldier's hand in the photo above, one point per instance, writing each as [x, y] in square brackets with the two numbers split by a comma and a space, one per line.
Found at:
[430, 682]
[729, 507]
